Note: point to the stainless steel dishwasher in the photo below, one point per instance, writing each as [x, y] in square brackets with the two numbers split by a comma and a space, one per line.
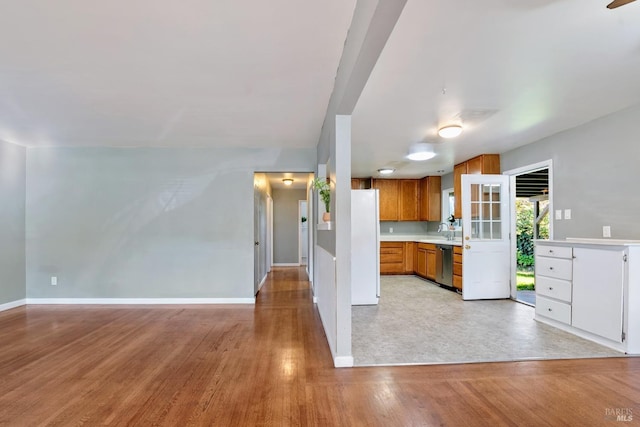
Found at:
[444, 265]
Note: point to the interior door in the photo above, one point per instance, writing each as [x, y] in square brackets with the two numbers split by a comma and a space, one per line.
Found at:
[485, 237]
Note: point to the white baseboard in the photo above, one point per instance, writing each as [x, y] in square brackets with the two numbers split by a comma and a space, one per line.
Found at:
[12, 304]
[343, 362]
[125, 301]
[286, 264]
[264, 279]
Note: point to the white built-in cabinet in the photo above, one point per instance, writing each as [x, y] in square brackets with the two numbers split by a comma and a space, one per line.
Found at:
[590, 288]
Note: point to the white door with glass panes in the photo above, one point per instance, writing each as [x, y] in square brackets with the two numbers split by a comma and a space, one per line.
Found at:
[485, 237]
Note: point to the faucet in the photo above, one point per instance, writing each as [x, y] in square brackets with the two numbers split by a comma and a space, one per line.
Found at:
[449, 233]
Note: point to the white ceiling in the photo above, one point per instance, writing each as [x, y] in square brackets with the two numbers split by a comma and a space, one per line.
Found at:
[149, 73]
[299, 180]
[514, 71]
[260, 74]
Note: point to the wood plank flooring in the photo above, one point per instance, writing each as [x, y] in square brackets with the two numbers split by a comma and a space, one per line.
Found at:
[269, 365]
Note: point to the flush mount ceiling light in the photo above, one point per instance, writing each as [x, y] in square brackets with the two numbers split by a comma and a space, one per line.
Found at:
[386, 171]
[420, 152]
[450, 131]
[287, 181]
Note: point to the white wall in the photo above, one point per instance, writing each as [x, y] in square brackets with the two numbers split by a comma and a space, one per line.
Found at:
[12, 223]
[595, 174]
[145, 222]
[285, 225]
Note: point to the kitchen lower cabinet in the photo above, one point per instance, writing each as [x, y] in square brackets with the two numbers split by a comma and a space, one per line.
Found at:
[397, 257]
[426, 260]
[457, 267]
[598, 278]
[591, 290]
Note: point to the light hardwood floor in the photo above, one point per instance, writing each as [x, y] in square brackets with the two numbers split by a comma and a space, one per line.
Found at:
[270, 365]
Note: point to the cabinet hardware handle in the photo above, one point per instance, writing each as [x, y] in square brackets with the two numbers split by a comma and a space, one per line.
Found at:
[550, 288]
[550, 268]
[550, 251]
[550, 310]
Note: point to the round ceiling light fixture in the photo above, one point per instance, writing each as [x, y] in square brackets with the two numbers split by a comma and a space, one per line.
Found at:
[420, 152]
[386, 171]
[450, 131]
[287, 181]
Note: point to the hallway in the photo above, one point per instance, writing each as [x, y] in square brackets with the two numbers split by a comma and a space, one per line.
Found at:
[268, 365]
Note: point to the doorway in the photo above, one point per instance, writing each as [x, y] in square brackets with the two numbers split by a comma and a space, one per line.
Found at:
[303, 233]
[531, 204]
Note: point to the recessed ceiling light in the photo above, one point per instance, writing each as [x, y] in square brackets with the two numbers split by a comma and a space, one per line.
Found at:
[450, 131]
[386, 171]
[287, 181]
[420, 152]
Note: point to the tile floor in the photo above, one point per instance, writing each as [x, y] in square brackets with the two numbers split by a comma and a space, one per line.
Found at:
[417, 322]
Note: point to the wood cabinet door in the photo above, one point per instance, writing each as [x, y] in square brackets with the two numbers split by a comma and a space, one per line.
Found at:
[409, 251]
[431, 264]
[421, 263]
[388, 198]
[474, 166]
[458, 171]
[355, 184]
[431, 198]
[409, 200]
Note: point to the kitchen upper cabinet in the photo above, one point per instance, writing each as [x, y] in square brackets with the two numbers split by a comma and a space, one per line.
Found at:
[360, 183]
[399, 199]
[482, 164]
[388, 198]
[408, 200]
[430, 198]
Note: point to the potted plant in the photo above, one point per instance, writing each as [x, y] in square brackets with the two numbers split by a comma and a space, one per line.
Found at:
[324, 190]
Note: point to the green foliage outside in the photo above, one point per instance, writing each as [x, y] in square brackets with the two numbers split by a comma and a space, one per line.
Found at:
[525, 222]
[524, 232]
[525, 281]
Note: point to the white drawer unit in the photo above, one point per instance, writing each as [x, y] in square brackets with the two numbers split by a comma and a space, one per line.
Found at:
[556, 268]
[591, 288]
[555, 310]
[554, 251]
[554, 288]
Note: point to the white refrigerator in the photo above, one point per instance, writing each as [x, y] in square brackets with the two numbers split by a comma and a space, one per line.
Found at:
[365, 247]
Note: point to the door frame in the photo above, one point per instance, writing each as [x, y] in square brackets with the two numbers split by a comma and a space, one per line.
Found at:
[302, 213]
[513, 173]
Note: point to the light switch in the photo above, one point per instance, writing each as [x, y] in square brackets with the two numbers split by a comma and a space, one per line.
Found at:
[567, 214]
[606, 231]
[558, 214]
[54, 281]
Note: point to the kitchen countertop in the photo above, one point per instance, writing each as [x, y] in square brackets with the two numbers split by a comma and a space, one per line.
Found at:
[587, 241]
[419, 238]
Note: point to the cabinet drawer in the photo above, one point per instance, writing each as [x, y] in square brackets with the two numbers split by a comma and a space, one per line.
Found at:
[554, 288]
[554, 251]
[457, 250]
[552, 309]
[457, 282]
[457, 269]
[457, 258]
[554, 267]
[427, 246]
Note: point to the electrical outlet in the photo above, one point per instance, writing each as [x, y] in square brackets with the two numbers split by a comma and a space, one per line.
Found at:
[567, 214]
[54, 281]
[390, 229]
[606, 231]
[558, 214]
